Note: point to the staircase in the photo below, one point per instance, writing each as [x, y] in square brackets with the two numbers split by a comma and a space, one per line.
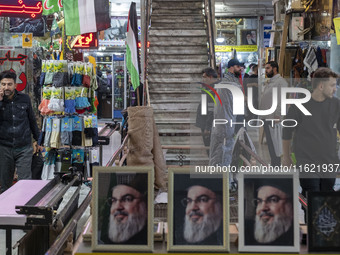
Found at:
[177, 55]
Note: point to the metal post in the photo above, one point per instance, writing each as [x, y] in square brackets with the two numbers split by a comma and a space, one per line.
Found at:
[8, 241]
[125, 81]
[113, 91]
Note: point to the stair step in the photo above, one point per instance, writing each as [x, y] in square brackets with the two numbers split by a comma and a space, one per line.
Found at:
[173, 106]
[178, 19]
[175, 100]
[179, 97]
[177, 33]
[178, 41]
[175, 121]
[180, 141]
[177, 11]
[178, 59]
[170, 78]
[174, 26]
[179, 50]
[178, 131]
[179, 85]
[177, 68]
[174, 91]
[177, 4]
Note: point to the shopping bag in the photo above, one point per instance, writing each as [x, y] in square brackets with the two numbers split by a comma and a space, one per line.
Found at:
[37, 166]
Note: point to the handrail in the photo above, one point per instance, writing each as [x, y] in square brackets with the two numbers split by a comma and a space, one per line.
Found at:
[117, 152]
[208, 12]
[72, 224]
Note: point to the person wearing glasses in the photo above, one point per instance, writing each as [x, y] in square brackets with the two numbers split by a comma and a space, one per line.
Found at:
[127, 222]
[274, 214]
[203, 214]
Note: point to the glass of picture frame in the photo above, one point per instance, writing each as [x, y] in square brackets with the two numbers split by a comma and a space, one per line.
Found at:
[122, 209]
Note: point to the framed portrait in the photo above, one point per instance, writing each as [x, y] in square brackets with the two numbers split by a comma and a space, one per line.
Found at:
[268, 213]
[323, 221]
[198, 213]
[248, 37]
[122, 201]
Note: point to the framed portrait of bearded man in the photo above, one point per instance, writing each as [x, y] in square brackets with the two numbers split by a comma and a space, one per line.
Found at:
[268, 212]
[198, 213]
[122, 218]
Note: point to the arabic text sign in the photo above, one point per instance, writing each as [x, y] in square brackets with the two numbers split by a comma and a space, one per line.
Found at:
[21, 8]
[337, 29]
[15, 60]
[5, 47]
[238, 48]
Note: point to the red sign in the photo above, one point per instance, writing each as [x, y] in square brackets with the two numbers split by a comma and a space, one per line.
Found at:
[86, 41]
[21, 8]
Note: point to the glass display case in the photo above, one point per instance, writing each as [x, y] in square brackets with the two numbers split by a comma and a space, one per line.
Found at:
[119, 81]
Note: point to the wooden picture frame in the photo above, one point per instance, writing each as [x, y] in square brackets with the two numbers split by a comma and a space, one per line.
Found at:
[265, 200]
[323, 221]
[120, 194]
[248, 37]
[197, 201]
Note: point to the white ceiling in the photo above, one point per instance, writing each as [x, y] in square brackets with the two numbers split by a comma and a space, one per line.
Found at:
[239, 8]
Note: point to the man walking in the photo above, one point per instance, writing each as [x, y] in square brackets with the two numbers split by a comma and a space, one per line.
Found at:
[315, 136]
[17, 123]
[275, 81]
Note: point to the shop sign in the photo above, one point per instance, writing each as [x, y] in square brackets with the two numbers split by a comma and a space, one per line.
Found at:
[238, 48]
[86, 41]
[104, 59]
[21, 8]
[337, 29]
[266, 35]
[15, 61]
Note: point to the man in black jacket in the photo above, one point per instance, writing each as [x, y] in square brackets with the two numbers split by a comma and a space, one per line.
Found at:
[17, 124]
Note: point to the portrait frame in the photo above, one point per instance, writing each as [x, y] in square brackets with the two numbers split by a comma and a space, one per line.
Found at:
[323, 204]
[247, 185]
[253, 33]
[103, 180]
[175, 194]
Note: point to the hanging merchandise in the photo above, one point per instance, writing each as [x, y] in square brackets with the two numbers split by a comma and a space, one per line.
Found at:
[310, 61]
[49, 72]
[60, 76]
[49, 165]
[78, 71]
[43, 107]
[56, 102]
[94, 159]
[87, 75]
[66, 131]
[77, 128]
[55, 135]
[70, 102]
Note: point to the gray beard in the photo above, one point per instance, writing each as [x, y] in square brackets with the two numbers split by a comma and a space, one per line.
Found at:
[197, 232]
[267, 233]
[121, 232]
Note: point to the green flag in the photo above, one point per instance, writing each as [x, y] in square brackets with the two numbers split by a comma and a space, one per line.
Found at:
[50, 6]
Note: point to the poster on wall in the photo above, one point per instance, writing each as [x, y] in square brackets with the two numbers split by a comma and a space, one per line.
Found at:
[27, 40]
[35, 26]
[15, 60]
[266, 35]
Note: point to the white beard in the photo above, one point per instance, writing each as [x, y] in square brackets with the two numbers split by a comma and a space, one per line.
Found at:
[269, 232]
[197, 232]
[121, 232]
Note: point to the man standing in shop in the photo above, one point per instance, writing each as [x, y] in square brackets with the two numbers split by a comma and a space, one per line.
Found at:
[222, 136]
[275, 81]
[17, 124]
[204, 122]
[315, 136]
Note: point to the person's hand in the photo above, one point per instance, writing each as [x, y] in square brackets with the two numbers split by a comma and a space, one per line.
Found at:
[37, 148]
[287, 160]
[1, 94]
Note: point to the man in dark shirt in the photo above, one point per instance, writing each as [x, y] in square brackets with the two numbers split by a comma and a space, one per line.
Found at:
[315, 135]
[17, 124]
